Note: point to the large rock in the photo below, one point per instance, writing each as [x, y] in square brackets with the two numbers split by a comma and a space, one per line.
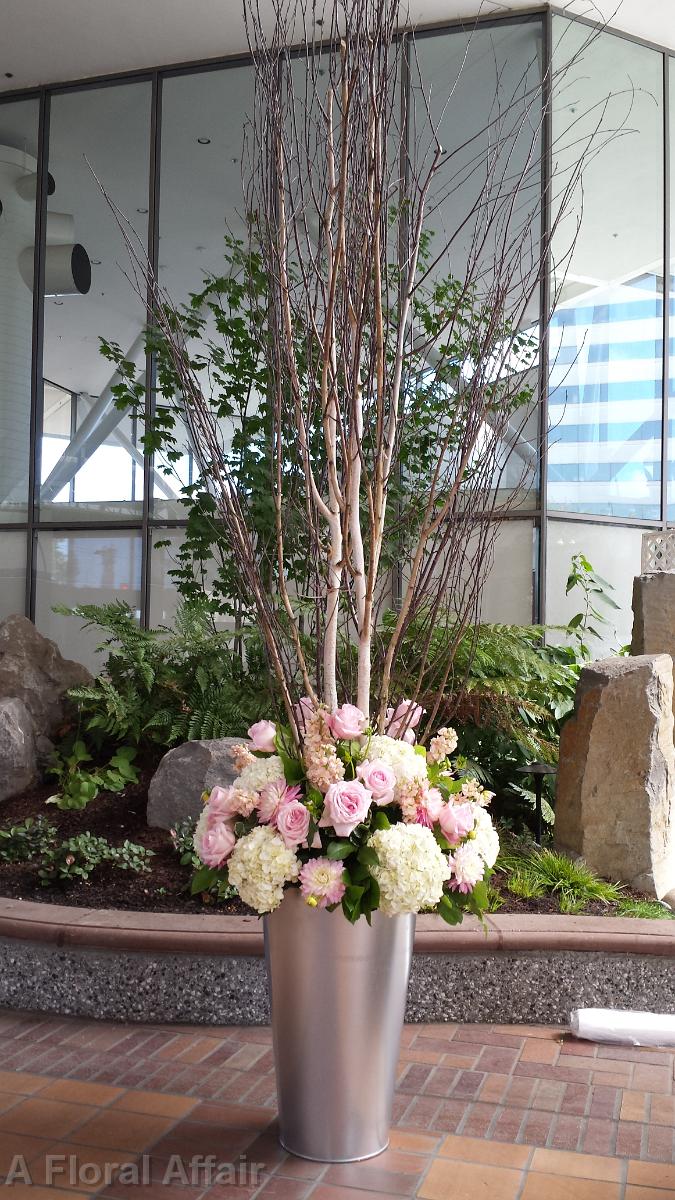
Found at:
[654, 614]
[33, 670]
[616, 777]
[18, 760]
[175, 791]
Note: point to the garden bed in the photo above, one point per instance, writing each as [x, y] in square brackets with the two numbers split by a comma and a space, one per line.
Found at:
[165, 887]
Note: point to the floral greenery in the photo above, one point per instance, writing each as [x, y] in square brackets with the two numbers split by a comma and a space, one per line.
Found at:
[160, 687]
[649, 910]
[79, 785]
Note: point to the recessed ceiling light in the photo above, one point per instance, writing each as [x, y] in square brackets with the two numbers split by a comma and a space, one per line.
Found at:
[95, 262]
[141, 210]
[58, 301]
[9, 74]
[203, 141]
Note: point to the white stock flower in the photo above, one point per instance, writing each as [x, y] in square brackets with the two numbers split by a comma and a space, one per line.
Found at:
[411, 870]
[468, 867]
[259, 867]
[474, 791]
[409, 767]
[259, 772]
[443, 745]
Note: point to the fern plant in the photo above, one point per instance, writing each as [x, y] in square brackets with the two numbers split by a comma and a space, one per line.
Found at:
[160, 687]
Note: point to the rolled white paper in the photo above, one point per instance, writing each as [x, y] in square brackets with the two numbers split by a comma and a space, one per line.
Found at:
[631, 1028]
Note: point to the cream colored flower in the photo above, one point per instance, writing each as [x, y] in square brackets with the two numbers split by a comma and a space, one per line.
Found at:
[259, 867]
[411, 870]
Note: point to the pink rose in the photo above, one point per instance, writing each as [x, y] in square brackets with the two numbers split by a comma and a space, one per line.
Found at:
[273, 797]
[217, 844]
[346, 806]
[456, 821]
[262, 734]
[403, 719]
[347, 722]
[293, 823]
[379, 779]
[222, 804]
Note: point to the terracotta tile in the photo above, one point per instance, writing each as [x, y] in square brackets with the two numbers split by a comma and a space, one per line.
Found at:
[469, 1181]
[660, 1143]
[232, 1116]
[301, 1168]
[493, 1087]
[536, 1128]
[599, 1137]
[629, 1137]
[417, 1143]
[539, 1051]
[8, 1100]
[156, 1104]
[582, 1166]
[13, 1144]
[326, 1191]
[359, 1175]
[662, 1110]
[419, 1056]
[97, 1094]
[84, 1169]
[246, 1056]
[605, 1101]
[633, 1106]
[23, 1191]
[19, 1081]
[478, 1151]
[115, 1127]
[479, 1119]
[653, 1079]
[549, 1033]
[566, 1132]
[277, 1188]
[51, 1118]
[560, 1187]
[549, 1094]
[651, 1174]
[647, 1193]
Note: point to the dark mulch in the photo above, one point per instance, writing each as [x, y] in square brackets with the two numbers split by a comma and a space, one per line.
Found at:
[165, 888]
[115, 817]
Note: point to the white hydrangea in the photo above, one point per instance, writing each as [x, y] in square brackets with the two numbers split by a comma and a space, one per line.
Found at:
[259, 867]
[200, 830]
[409, 767]
[411, 870]
[485, 837]
[259, 772]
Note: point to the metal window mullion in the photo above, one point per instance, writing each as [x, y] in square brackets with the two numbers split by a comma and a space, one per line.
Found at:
[37, 349]
[539, 593]
[153, 244]
[665, 370]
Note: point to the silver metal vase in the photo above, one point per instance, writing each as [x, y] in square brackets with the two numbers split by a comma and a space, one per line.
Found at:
[338, 994]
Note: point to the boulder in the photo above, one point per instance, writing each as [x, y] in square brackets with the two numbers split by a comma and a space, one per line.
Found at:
[616, 776]
[176, 788]
[33, 670]
[654, 614]
[18, 760]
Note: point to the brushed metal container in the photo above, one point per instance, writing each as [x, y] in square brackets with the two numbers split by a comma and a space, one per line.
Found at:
[338, 994]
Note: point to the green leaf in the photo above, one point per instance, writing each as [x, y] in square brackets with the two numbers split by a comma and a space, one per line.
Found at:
[449, 911]
[340, 850]
[202, 880]
[368, 857]
[381, 820]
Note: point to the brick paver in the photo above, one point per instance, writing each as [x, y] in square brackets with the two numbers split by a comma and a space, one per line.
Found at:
[510, 1113]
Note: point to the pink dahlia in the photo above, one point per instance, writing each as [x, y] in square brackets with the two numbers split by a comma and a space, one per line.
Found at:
[272, 799]
[321, 882]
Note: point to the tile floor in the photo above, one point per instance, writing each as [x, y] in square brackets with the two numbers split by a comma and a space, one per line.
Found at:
[494, 1112]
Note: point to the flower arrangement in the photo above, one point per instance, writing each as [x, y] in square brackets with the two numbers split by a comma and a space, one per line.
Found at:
[353, 818]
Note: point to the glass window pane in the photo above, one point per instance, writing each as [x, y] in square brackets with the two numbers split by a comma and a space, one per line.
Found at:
[90, 567]
[201, 200]
[18, 167]
[91, 458]
[607, 333]
[508, 593]
[614, 552]
[12, 572]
